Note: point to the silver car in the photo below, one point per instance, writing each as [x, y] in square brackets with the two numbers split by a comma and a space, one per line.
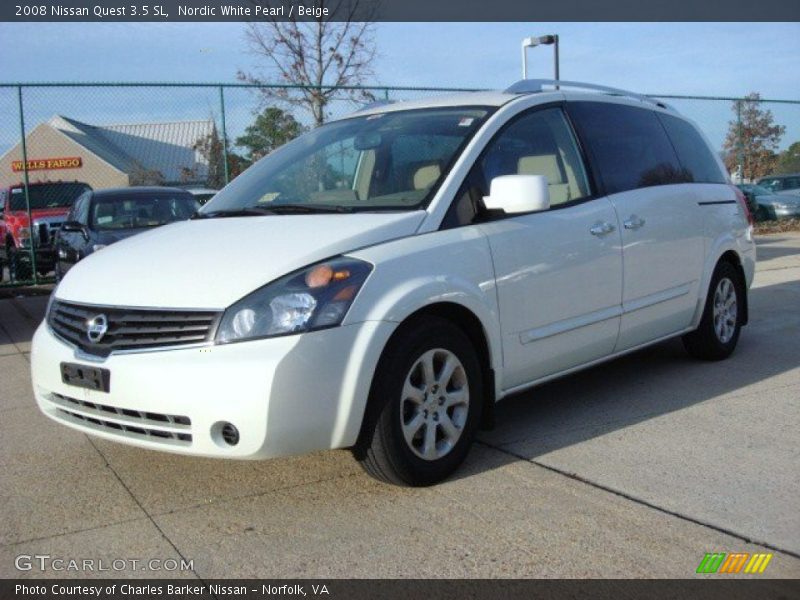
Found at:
[768, 205]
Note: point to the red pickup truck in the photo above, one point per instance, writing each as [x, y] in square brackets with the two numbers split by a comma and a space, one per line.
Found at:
[50, 202]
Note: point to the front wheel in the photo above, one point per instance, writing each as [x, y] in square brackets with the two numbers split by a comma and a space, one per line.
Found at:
[721, 324]
[19, 268]
[424, 406]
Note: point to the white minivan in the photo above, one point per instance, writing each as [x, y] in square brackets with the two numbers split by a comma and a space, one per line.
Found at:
[380, 282]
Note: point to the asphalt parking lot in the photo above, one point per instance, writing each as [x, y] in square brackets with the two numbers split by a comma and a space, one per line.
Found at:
[635, 468]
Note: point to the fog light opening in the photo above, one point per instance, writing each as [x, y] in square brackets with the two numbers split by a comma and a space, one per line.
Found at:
[230, 434]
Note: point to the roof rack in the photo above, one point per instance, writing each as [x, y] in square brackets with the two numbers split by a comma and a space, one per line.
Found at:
[374, 104]
[534, 86]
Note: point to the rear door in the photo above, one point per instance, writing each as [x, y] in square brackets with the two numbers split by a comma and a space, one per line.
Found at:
[657, 206]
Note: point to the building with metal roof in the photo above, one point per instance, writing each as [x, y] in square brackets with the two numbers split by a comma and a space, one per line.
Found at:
[114, 155]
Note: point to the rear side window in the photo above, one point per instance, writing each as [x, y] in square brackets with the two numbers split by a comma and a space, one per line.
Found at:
[628, 145]
[693, 152]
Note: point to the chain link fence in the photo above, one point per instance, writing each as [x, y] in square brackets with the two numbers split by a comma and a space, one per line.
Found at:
[57, 139]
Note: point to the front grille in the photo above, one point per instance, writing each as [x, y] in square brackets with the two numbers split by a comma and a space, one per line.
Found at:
[131, 329]
[171, 428]
[45, 231]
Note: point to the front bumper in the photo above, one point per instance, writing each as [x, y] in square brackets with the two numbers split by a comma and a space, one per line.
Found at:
[787, 212]
[285, 395]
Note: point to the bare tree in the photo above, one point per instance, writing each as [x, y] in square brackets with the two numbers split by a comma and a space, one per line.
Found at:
[143, 176]
[320, 56]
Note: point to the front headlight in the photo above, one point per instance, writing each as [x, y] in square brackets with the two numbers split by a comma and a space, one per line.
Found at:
[24, 234]
[316, 297]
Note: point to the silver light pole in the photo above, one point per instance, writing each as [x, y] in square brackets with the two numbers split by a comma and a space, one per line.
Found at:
[542, 40]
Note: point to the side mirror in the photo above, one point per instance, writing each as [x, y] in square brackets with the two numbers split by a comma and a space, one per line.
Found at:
[74, 227]
[514, 194]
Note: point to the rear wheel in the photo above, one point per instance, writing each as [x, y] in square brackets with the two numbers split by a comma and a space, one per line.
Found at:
[424, 406]
[721, 324]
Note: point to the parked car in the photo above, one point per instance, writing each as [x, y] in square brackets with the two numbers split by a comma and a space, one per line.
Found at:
[381, 281]
[101, 218]
[766, 205]
[782, 184]
[49, 204]
[202, 195]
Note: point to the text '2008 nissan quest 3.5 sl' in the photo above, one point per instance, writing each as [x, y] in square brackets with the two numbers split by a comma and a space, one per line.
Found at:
[380, 282]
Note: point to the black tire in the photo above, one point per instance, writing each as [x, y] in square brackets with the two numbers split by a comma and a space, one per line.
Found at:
[707, 342]
[19, 269]
[383, 450]
[57, 272]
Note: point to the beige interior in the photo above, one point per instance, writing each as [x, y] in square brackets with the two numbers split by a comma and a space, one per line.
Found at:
[547, 165]
[426, 176]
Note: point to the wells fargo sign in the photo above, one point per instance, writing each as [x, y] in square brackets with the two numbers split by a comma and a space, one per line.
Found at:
[43, 164]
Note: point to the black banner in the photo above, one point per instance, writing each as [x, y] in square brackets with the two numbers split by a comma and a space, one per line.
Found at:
[399, 10]
[513, 589]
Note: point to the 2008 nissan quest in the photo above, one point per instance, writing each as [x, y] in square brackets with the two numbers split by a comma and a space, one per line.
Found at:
[379, 282]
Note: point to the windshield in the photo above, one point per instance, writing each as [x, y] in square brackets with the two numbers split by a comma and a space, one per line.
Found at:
[135, 211]
[760, 190]
[770, 184]
[384, 161]
[47, 195]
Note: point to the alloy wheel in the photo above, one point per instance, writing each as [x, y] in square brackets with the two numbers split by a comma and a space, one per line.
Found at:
[435, 404]
[725, 310]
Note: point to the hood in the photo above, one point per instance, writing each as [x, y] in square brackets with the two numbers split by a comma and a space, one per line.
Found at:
[211, 263]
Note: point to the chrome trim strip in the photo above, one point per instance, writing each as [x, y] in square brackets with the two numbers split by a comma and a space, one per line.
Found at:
[604, 314]
[540, 333]
[524, 386]
[151, 308]
[657, 298]
[81, 355]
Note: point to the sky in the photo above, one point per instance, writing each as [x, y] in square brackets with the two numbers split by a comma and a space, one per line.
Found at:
[710, 59]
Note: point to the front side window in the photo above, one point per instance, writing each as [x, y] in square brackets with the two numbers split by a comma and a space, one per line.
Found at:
[539, 143]
[142, 210]
[392, 160]
[628, 145]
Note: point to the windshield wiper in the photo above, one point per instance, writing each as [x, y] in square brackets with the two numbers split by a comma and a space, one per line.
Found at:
[309, 208]
[251, 211]
[278, 209]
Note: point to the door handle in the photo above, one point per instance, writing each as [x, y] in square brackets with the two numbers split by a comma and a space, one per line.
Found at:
[634, 222]
[601, 228]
